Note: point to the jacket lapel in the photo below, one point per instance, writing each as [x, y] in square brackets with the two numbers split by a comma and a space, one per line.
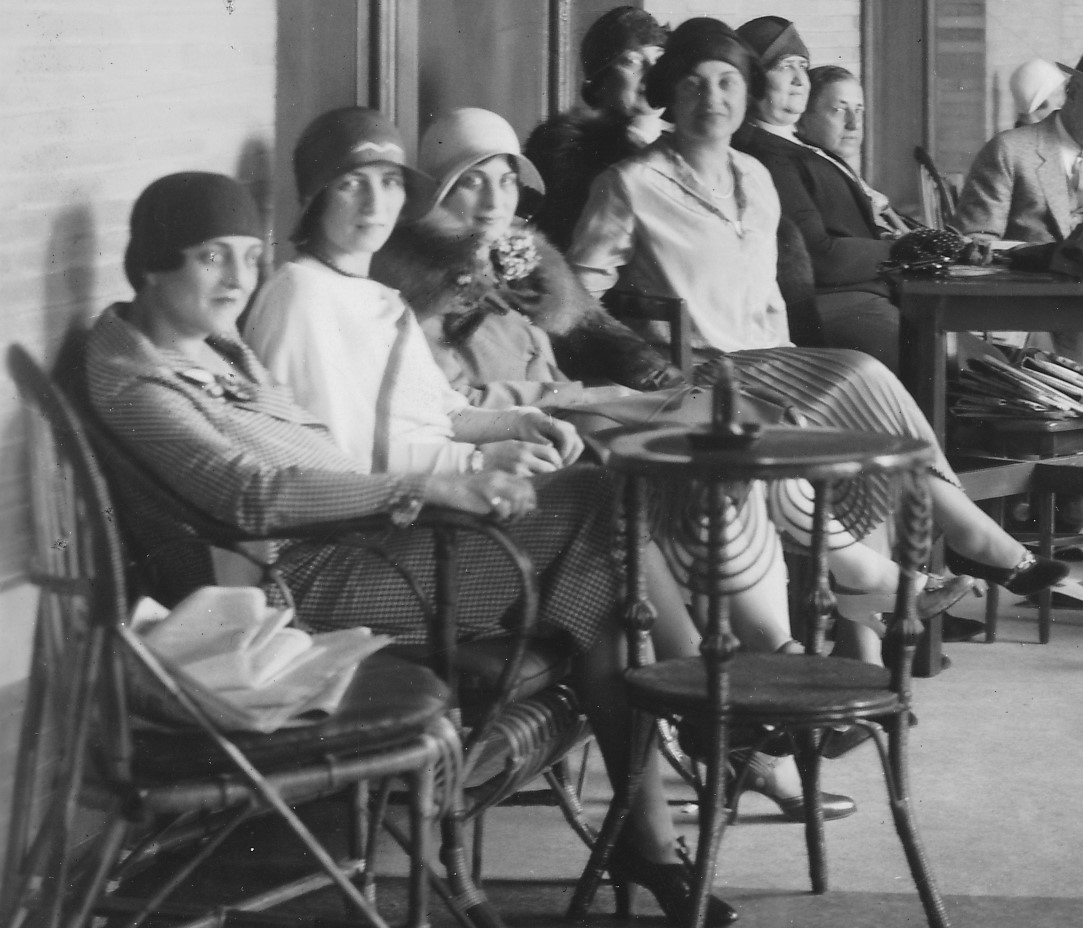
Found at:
[856, 190]
[1051, 178]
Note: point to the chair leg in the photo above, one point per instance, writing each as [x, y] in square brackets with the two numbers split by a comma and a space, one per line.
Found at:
[568, 799]
[897, 775]
[422, 816]
[477, 847]
[108, 853]
[368, 818]
[808, 766]
[713, 819]
[643, 730]
[1046, 516]
[469, 903]
[992, 608]
[997, 510]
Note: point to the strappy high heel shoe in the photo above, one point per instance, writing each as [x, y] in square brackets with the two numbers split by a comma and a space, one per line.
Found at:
[670, 884]
[1031, 575]
[761, 778]
[938, 594]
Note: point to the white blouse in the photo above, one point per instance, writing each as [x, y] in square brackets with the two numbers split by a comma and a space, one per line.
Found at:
[651, 224]
[329, 336]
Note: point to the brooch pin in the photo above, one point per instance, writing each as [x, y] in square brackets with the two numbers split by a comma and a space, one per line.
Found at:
[217, 385]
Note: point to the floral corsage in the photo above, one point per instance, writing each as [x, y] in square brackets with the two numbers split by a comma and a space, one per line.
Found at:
[513, 259]
[515, 255]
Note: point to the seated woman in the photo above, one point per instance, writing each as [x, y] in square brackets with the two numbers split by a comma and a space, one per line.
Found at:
[172, 380]
[321, 293]
[692, 217]
[830, 208]
[506, 319]
[571, 148]
[474, 157]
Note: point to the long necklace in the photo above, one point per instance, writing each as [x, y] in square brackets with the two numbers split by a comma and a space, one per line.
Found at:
[720, 198]
[733, 186]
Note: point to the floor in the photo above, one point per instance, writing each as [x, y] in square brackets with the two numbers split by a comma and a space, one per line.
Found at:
[997, 774]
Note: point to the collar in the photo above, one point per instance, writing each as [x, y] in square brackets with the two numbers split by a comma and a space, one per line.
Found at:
[789, 133]
[678, 170]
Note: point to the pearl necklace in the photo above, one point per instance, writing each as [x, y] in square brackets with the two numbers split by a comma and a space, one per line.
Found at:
[715, 195]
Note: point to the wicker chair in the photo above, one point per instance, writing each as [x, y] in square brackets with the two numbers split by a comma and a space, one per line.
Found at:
[504, 697]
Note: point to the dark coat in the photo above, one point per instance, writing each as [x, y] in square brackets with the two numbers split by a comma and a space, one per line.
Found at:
[829, 207]
[569, 151]
[434, 268]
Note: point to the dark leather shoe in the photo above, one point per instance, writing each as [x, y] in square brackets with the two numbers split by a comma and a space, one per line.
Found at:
[956, 628]
[939, 594]
[670, 884]
[761, 778]
[1031, 575]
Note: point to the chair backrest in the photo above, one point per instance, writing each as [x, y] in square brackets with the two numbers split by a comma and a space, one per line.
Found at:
[77, 706]
[938, 200]
[634, 308]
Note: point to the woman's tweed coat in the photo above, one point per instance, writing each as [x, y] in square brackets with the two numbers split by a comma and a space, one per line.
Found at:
[256, 460]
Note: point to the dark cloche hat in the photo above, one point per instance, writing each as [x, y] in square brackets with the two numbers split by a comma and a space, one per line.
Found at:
[181, 210]
[692, 42]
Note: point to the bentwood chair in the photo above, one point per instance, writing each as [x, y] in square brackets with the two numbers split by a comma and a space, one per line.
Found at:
[508, 703]
[152, 787]
[796, 696]
[938, 200]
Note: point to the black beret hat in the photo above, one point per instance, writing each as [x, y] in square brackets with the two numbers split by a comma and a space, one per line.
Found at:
[181, 210]
[692, 42]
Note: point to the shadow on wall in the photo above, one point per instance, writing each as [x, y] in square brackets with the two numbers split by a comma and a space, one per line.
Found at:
[255, 169]
[70, 276]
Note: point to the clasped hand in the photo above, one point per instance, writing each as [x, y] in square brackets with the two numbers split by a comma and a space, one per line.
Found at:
[541, 445]
[505, 496]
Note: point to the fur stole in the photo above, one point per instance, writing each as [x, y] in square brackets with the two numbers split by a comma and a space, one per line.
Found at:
[436, 270]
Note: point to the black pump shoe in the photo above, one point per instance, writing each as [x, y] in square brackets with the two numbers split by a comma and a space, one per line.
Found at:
[760, 778]
[670, 884]
[1031, 575]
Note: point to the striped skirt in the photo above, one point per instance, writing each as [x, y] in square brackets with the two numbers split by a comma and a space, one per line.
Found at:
[826, 388]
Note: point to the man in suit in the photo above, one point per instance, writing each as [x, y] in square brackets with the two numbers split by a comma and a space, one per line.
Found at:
[1026, 185]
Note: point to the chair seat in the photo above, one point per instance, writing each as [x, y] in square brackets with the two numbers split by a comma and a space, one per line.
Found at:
[775, 689]
[389, 702]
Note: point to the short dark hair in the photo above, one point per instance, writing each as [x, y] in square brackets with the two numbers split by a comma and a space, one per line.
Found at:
[823, 77]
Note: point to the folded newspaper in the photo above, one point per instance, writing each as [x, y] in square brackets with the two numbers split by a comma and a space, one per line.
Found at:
[1028, 384]
[239, 659]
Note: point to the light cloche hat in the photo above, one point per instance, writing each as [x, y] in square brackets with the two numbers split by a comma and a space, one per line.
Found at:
[1033, 82]
[462, 138]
